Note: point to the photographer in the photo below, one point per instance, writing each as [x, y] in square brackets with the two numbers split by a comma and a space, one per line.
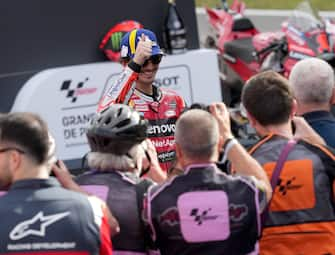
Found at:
[40, 216]
[141, 55]
[204, 211]
[301, 217]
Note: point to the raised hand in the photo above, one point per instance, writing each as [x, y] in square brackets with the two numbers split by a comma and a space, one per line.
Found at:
[143, 50]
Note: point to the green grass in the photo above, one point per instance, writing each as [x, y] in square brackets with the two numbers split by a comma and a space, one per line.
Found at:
[325, 5]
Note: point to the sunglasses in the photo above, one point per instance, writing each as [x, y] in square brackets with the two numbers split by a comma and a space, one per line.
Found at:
[155, 59]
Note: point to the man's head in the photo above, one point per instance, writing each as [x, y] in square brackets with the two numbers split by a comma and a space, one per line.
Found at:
[197, 137]
[24, 137]
[130, 41]
[129, 46]
[268, 98]
[312, 81]
[116, 131]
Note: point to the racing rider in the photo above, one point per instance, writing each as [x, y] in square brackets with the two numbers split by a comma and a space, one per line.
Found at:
[141, 56]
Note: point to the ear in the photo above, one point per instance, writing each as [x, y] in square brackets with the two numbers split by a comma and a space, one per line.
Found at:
[15, 160]
[332, 99]
[178, 151]
[294, 108]
[252, 120]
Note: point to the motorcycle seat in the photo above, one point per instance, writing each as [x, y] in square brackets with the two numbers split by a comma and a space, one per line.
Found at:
[242, 24]
[241, 48]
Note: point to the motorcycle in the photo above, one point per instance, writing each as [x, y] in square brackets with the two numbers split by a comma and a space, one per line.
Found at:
[245, 51]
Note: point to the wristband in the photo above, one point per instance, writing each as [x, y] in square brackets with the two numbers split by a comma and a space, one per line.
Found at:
[134, 66]
[229, 143]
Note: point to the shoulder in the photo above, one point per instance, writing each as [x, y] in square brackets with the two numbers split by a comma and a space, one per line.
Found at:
[259, 188]
[263, 141]
[323, 151]
[170, 93]
[173, 98]
[164, 188]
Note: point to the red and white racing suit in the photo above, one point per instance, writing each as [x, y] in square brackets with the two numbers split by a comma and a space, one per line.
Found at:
[161, 110]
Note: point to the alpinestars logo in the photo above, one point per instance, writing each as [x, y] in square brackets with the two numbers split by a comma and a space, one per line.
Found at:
[36, 225]
[77, 91]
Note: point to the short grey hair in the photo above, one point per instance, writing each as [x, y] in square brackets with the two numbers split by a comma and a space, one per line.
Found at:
[105, 162]
[312, 80]
[197, 133]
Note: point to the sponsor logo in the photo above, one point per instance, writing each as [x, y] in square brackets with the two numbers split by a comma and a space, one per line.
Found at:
[200, 217]
[170, 113]
[169, 217]
[163, 143]
[41, 246]
[116, 87]
[141, 108]
[166, 156]
[237, 212]
[139, 101]
[173, 105]
[35, 226]
[164, 129]
[169, 82]
[79, 90]
[285, 185]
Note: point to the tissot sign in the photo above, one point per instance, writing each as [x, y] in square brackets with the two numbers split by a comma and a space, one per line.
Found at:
[67, 97]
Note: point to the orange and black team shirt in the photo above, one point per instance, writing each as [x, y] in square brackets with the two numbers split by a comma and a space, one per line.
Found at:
[301, 216]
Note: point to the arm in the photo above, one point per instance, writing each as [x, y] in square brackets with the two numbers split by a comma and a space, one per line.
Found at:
[305, 132]
[243, 163]
[156, 173]
[121, 91]
[123, 88]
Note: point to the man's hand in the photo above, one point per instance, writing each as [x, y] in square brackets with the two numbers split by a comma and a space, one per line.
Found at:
[156, 173]
[64, 177]
[305, 132]
[143, 50]
[221, 114]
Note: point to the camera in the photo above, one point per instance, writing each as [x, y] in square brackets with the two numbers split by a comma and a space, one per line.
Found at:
[200, 106]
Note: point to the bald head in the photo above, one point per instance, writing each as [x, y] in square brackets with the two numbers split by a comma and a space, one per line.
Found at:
[312, 80]
[197, 134]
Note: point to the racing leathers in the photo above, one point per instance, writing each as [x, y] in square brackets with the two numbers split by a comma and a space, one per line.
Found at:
[205, 211]
[121, 192]
[161, 110]
[40, 217]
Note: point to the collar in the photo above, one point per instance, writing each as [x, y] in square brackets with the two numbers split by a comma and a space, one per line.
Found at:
[35, 184]
[274, 135]
[200, 167]
[155, 97]
[317, 115]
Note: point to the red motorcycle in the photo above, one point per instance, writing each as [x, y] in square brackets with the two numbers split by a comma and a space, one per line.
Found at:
[244, 51]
